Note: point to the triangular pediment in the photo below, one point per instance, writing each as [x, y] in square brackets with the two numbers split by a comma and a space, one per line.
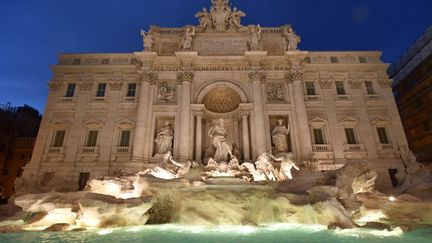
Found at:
[93, 123]
[318, 120]
[349, 120]
[61, 122]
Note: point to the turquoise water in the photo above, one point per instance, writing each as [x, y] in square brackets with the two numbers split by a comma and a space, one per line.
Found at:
[173, 233]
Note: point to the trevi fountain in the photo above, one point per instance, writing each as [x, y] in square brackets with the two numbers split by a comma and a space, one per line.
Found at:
[257, 164]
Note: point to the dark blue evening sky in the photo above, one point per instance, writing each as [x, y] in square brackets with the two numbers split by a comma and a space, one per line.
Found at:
[34, 32]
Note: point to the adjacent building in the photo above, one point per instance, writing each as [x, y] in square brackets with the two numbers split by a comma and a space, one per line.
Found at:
[412, 87]
[119, 112]
[18, 130]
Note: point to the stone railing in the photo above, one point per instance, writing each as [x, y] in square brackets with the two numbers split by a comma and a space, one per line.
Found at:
[385, 147]
[322, 147]
[124, 150]
[55, 150]
[354, 147]
[90, 150]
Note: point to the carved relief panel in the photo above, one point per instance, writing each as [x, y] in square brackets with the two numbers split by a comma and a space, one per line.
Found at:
[166, 93]
[275, 92]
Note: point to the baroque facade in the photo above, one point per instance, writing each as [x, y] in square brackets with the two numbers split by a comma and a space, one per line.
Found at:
[119, 112]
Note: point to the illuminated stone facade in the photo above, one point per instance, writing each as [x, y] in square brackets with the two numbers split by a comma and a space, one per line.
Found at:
[105, 111]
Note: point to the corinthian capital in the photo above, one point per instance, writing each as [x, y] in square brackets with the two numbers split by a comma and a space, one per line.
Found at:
[185, 76]
[149, 77]
[259, 76]
[295, 75]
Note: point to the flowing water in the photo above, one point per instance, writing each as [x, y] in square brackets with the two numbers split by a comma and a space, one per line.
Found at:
[175, 233]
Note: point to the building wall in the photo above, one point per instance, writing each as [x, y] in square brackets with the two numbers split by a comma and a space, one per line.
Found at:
[18, 130]
[252, 76]
[413, 91]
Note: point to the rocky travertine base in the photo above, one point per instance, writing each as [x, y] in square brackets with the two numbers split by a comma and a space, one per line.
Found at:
[337, 199]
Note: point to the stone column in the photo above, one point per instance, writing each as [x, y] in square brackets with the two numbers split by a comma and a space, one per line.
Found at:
[141, 122]
[257, 77]
[198, 136]
[245, 126]
[296, 77]
[185, 114]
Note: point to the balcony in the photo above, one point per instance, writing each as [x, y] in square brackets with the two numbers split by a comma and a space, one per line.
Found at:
[89, 150]
[99, 99]
[354, 147]
[343, 101]
[55, 150]
[123, 150]
[387, 151]
[312, 97]
[355, 151]
[322, 147]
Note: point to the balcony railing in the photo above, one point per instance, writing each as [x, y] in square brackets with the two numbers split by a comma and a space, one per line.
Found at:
[55, 150]
[68, 99]
[130, 99]
[354, 147]
[89, 150]
[312, 97]
[99, 99]
[123, 150]
[322, 147]
[385, 147]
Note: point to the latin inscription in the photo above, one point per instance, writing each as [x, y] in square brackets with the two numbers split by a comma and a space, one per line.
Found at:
[219, 46]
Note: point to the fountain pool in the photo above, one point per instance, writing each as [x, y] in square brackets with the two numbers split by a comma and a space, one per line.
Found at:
[176, 233]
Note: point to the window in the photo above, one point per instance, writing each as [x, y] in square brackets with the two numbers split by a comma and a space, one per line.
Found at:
[125, 138]
[383, 136]
[91, 139]
[318, 136]
[310, 88]
[105, 61]
[131, 91]
[307, 60]
[58, 139]
[350, 136]
[340, 88]
[334, 60]
[70, 90]
[101, 90]
[369, 88]
[362, 59]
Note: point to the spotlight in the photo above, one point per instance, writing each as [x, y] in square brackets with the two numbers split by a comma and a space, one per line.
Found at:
[392, 199]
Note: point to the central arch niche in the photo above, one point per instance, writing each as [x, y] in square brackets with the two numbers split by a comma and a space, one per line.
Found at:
[222, 99]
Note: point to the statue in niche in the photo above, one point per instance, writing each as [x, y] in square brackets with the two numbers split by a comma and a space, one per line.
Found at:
[280, 137]
[218, 135]
[204, 18]
[164, 139]
[188, 38]
[291, 39]
[256, 34]
[148, 40]
[166, 94]
[275, 92]
[235, 19]
[287, 163]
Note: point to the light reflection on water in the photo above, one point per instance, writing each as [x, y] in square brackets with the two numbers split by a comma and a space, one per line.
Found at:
[175, 233]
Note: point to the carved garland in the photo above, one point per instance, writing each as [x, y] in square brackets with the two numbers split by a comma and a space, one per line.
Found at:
[185, 76]
[85, 86]
[295, 75]
[355, 84]
[257, 76]
[325, 84]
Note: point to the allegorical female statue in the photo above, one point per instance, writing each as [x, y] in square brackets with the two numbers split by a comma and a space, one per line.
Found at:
[188, 38]
[164, 139]
[292, 40]
[280, 137]
[218, 133]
